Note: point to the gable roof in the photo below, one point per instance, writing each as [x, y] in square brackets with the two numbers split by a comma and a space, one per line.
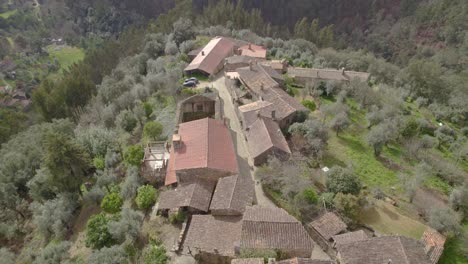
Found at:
[257, 78]
[253, 50]
[349, 237]
[264, 134]
[434, 244]
[328, 225]
[212, 55]
[196, 195]
[378, 250]
[327, 74]
[233, 193]
[206, 143]
[305, 261]
[240, 59]
[273, 228]
[212, 234]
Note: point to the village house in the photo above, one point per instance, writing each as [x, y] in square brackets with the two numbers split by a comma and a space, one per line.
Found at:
[265, 138]
[252, 50]
[193, 198]
[280, 66]
[199, 106]
[273, 229]
[233, 63]
[433, 244]
[201, 149]
[155, 161]
[210, 59]
[232, 195]
[315, 76]
[385, 249]
[349, 237]
[325, 227]
[213, 239]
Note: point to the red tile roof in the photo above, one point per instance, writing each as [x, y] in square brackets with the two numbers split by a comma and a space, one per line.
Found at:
[206, 143]
[212, 55]
[434, 244]
[252, 50]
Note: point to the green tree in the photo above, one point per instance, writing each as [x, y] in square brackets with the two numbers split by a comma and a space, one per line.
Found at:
[146, 197]
[301, 29]
[340, 122]
[54, 253]
[112, 203]
[97, 232]
[155, 254]
[66, 160]
[343, 180]
[134, 155]
[310, 195]
[153, 130]
[348, 205]
[114, 254]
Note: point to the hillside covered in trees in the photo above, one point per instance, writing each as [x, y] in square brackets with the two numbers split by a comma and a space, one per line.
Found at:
[103, 78]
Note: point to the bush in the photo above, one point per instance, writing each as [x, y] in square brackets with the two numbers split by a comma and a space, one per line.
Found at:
[153, 130]
[189, 92]
[134, 155]
[326, 199]
[99, 163]
[341, 180]
[112, 203]
[155, 254]
[310, 195]
[177, 218]
[97, 232]
[146, 197]
[309, 104]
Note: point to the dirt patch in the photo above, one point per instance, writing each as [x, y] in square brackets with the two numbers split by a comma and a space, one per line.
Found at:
[389, 164]
[79, 249]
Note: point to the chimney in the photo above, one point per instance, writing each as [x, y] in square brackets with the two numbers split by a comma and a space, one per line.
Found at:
[250, 65]
[258, 114]
[250, 46]
[203, 53]
[389, 261]
[176, 141]
[273, 115]
[343, 71]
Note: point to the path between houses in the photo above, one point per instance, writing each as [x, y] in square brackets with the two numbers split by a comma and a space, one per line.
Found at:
[239, 140]
[245, 165]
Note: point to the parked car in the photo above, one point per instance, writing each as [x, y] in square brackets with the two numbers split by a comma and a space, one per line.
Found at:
[189, 84]
[193, 79]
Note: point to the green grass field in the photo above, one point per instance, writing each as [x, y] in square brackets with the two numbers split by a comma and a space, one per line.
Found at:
[66, 55]
[8, 14]
[386, 219]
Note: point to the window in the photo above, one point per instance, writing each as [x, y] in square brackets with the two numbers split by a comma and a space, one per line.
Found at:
[199, 108]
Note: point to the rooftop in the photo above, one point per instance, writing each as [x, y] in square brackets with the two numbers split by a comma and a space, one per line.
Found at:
[253, 50]
[386, 249]
[328, 225]
[248, 261]
[212, 234]
[196, 195]
[212, 55]
[264, 134]
[233, 193]
[273, 228]
[201, 147]
[305, 261]
[349, 237]
[327, 74]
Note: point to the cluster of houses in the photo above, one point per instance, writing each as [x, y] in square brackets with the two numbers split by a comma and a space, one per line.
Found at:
[200, 169]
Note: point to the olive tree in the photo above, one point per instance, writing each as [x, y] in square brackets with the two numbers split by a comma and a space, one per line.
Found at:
[343, 180]
[114, 254]
[54, 253]
[131, 183]
[7, 256]
[127, 227]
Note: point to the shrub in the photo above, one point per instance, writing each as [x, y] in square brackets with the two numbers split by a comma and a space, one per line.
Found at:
[99, 163]
[188, 91]
[146, 196]
[153, 130]
[177, 218]
[97, 232]
[341, 180]
[309, 104]
[112, 203]
[134, 155]
[155, 254]
[310, 195]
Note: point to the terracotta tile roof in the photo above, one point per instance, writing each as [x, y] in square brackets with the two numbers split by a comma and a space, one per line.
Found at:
[328, 225]
[248, 261]
[327, 74]
[206, 143]
[379, 250]
[212, 234]
[273, 228]
[349, 237]
[233, 193]
[263, 135]
[240, 59]
[212, 55]
[256, 78]
[434, 244]
[305, 261]
[195, 195]
[253, 51]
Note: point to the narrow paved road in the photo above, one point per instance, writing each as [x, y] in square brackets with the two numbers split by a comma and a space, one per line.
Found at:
[239, 140]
